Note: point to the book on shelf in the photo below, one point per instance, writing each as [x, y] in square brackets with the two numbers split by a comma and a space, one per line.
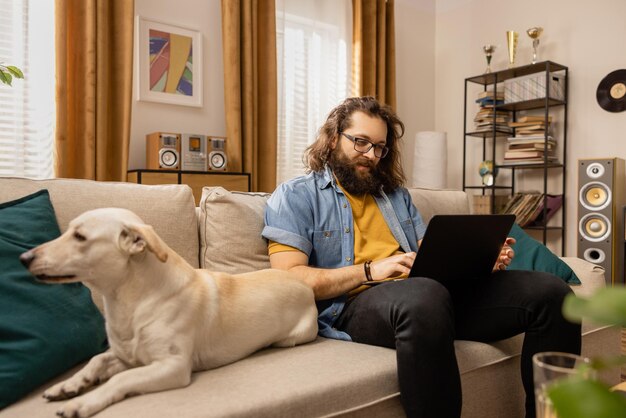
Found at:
[489, 94]
[534, 160]
[533, 118]
[529, 132]
[528, 207]
[535, 126]
[490, 111]
[514, 200]
[522, 205]
[514, 154]
[528, 125]
[483, 119]
[529, 139]
[554, 203]
[489, 101]
[531, 146]
[488, 128]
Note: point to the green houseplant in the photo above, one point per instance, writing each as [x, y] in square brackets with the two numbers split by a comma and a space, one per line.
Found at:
[584, 398]
[8, 73]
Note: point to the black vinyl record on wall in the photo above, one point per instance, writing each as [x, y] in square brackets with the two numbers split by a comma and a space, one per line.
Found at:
[611, 92]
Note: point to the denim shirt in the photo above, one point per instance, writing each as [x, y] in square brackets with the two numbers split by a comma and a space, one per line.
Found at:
[311, 213]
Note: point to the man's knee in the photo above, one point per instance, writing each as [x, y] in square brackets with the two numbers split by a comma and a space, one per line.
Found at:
[536, 285]
[424, 310]
[549, 288]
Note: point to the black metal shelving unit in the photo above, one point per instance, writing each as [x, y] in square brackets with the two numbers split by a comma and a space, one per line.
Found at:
[490, 138]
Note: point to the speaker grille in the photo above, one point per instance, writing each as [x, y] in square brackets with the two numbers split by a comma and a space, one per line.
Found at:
[594, 227]
[595, 196]
[594, 255]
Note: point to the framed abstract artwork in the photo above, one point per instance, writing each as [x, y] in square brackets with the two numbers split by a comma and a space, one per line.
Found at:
[170, 63]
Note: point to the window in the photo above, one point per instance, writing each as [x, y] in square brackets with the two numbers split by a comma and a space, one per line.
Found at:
[27, 109]
[314, 48]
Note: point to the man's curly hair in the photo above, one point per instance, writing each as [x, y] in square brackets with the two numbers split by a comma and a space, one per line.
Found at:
[317, 154]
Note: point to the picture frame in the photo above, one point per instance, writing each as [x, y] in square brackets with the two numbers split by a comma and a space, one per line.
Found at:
[169, 61]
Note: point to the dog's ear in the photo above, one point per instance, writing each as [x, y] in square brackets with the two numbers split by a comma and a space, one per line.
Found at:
[135, 238]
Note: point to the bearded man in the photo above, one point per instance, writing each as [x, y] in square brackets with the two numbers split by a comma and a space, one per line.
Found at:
[350, 223]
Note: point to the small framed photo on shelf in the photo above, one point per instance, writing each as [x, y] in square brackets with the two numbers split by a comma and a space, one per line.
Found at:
[170, 63]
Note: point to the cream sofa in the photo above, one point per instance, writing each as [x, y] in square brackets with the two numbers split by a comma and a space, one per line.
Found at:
[322, 378]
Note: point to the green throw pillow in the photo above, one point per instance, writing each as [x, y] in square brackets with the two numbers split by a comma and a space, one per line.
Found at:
[530, 254]
[44, 329]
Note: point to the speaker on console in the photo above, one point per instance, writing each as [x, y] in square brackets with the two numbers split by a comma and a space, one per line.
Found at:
[217, 157]
[163, 151]
[601, 198]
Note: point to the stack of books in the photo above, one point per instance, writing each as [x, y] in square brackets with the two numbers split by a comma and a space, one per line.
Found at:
[487, 116]
[531, 126]
[528, 208]
[532, 142]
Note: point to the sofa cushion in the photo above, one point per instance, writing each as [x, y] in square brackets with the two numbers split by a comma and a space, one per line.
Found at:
[329, 378]
[170, 209]
[442, 202]
[230, 231]
[44, 329]
[530, 254]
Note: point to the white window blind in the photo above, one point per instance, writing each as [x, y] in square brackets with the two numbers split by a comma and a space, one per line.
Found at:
[314, 48]
[27, 108]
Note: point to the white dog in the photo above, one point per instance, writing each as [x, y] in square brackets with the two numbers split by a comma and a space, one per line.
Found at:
[164, 319]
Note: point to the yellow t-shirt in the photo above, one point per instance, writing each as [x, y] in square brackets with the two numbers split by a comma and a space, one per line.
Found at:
[373, 239]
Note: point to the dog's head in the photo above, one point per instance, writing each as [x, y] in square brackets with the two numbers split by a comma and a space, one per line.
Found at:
[99, 243]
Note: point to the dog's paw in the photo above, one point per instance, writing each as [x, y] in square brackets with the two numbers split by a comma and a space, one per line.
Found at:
[71, 410]
[83, 406]
[65, 390]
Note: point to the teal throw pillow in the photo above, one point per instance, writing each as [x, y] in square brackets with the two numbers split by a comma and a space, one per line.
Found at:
[532, 255]
[44, 329]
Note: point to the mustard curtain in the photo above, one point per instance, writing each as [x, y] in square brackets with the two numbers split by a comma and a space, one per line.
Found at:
[94, 64]
[374, 51]
[250, 89]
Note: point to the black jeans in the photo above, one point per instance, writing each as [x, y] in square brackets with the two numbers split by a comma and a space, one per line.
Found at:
[421, 318]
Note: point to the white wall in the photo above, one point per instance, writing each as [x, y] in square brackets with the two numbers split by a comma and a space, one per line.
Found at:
[204, 16]
[587, 37]
[415, 71]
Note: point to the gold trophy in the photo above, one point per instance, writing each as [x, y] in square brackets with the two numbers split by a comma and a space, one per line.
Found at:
[511, 40]
[489, 50]
[534, 34]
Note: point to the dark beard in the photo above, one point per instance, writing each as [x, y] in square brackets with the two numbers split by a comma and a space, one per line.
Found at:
[350, 179]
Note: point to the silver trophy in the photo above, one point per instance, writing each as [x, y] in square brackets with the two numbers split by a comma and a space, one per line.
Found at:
[488, 50]
[534, 34]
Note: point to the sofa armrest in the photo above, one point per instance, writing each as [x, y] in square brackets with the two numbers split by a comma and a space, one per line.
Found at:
[591, 276]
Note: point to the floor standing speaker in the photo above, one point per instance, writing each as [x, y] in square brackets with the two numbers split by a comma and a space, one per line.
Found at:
[601, 201]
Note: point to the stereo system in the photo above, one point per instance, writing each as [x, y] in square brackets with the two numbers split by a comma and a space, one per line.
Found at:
[194, 149]
[601, 201]
[169, 151]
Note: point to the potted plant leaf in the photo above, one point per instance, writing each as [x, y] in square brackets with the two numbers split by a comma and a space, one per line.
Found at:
[8, 73]
[578, 397]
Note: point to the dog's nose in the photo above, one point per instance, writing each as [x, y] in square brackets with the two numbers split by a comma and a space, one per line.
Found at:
[27, 258]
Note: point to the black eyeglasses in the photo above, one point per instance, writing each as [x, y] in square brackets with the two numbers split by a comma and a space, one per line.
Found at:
[363, 146]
